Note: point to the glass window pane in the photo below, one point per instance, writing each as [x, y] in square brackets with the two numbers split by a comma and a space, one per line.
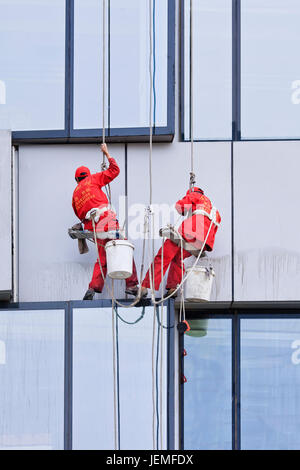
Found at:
[270, 69]
[129, 56]
[212, 69]
[93, 386]
[208, 391]
[32, 379]
[127, 64]
[270, 384]
[32, 58]
[135, 352]
[88, 56]
[93, 405]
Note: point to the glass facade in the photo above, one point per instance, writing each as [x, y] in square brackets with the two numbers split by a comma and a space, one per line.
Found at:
[32, 379]
[270, 384]
[127, 85]
[246, 77]
[58, 391]
[52, 71]
[32, 58]
[242, 389]
[57, 365]
[270, 71]
[212, 69]
[93, 383]
[208, 390]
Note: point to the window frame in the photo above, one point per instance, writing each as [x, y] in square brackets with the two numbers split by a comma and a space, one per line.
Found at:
[68, 308]
[126, 134]
[236, 83]
[236, 311]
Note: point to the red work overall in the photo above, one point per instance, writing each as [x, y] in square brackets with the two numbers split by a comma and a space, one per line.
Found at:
[193, 230]
[88, 195]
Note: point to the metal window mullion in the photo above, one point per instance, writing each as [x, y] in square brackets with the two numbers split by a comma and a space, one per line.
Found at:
[235, 381]
[236, 69]
[68, 378]
[69, 69]
[170, 375]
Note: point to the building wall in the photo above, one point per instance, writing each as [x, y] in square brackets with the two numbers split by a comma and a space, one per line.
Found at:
[51, 267]
[5, 215]
[266, 246]
[266, 195]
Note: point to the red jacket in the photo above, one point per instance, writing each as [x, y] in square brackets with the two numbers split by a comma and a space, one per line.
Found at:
[194, 229]
[88, 195]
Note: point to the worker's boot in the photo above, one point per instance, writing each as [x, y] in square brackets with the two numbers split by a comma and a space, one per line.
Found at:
[144, 292]
[132, 291]
[171, 292]
[89, 295]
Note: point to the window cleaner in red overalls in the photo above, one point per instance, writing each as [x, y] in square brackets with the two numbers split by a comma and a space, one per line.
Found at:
[193, 230]
[88, 195]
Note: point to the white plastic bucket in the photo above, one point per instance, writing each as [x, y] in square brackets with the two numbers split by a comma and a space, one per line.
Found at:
[199, 284]
[119, 259]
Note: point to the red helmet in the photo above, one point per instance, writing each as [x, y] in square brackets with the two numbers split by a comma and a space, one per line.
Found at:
[82, 172]
[195, 190]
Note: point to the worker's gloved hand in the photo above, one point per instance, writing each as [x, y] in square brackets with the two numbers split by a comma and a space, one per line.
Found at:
[105, 151]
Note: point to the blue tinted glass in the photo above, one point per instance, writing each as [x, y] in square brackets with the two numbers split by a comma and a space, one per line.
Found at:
[32, 64]
[127, 64]
[270, 68]
[93, 382]
[270, 384]
[32, 380]
[208, 391]
[212, 69]
[136, 380]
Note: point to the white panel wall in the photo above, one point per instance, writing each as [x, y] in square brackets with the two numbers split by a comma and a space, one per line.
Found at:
[171, 167]
[5, 215]
[267, 241]
[50, 265]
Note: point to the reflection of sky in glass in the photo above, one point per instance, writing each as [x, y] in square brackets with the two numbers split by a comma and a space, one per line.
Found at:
[270, 66]
[270, 384]
[207, 393]
[32, 379]
[212, 69]
[32, 64]
[127, 86]
[93, 420]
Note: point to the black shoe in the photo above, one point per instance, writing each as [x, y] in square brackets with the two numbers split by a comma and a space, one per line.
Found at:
[89, 295]
[132, 291]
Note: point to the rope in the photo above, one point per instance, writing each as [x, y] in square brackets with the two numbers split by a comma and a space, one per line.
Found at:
[157, 302]
[153, 382]
[128, 322]
[103, 72]
[192, 174]
[151, 99]
[136, 301]
[158, 421]
[114, 373]
[118, 382]
[104, 166]
[151, 274]
[161, 375]
[160, 325]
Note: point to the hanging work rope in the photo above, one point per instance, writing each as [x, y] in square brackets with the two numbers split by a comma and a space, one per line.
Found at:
[104, 166]
[192, 174]
[149, 227]
[114, 347]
